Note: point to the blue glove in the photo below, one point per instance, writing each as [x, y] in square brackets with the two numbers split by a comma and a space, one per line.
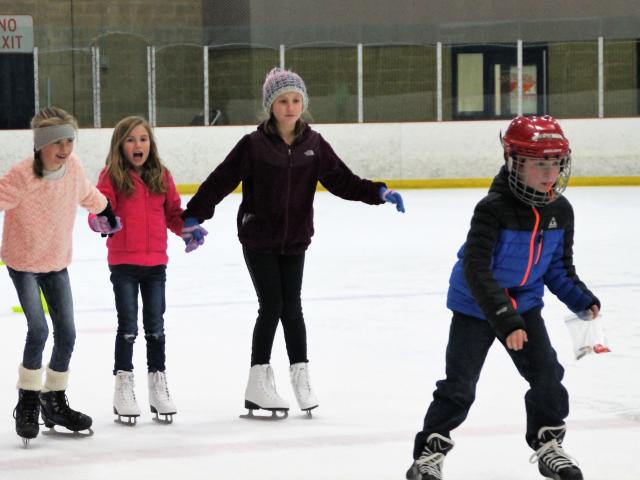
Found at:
[192, 234]
[391, 196]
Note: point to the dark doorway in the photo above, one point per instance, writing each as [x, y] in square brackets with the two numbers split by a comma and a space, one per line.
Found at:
[485, 81]
[17, 103]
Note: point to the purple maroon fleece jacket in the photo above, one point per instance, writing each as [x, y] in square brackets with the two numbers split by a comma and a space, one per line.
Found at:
[278, 186]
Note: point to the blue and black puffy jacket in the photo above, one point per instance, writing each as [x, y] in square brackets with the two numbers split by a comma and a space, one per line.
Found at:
[512, 251]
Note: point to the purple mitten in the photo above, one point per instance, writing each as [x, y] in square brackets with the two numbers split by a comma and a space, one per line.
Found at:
[100, 224]
[193, 234]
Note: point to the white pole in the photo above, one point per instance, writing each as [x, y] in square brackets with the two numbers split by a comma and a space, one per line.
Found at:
[149, 93]
[36, 90]
[97, 114]
[360, 86]
[600, 77]
[153, 84]
[439, 81]
[519, 77]
[205, 66]
[282, 56]
[544, 82]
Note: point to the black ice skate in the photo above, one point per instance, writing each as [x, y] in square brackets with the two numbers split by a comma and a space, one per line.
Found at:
[27, 413]
[56, 411]
[429, 465]
[553, 462]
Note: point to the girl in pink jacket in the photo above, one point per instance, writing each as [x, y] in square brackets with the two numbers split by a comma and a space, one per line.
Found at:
[40, 196]
[143, 194]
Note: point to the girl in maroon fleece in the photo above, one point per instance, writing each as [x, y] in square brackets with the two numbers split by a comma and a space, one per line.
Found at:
[279, 166]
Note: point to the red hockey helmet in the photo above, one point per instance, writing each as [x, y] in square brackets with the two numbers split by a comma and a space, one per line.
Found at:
[534, 138]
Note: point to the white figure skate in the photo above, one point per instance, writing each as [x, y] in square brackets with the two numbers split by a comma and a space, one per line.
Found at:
[160, 399]
[301, 383]
[261, 394]
[124, 399]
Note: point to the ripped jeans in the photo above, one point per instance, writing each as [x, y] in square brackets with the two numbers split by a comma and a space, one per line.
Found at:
[127, 280]
[56, 289]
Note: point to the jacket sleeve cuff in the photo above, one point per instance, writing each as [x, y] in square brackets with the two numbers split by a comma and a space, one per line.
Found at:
[505, 326]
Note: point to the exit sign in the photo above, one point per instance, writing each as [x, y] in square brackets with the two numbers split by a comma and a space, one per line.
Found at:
[16, 34]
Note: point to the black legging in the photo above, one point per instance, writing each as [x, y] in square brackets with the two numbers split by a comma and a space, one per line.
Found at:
[278, 281]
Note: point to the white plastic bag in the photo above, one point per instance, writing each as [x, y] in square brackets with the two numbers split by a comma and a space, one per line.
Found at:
[587, 334]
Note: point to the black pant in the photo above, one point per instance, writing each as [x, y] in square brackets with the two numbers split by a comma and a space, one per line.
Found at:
[546, 401]
[278, 281]
[127, 281]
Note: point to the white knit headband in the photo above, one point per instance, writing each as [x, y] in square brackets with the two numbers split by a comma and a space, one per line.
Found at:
[43, 136]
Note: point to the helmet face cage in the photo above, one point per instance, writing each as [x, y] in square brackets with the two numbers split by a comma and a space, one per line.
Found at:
[518, 181]
[533, 145]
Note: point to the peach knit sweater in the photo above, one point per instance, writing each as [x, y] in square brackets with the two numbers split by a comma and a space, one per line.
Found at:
[40, 213]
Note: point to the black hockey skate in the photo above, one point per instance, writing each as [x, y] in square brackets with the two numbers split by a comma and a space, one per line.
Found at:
[27, 413]
[429, 465]
[553, 462]
[56, 411]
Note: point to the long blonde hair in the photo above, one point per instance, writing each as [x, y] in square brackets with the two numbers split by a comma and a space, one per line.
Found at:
[152, 172]
[48, 117]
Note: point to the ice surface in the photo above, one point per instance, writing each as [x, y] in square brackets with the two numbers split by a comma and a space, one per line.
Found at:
[374, 303]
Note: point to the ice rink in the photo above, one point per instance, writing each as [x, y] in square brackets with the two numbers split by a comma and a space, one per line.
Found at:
[374, 303]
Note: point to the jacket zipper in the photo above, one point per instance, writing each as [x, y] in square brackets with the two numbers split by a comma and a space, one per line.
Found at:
[288, 196]
[540, 235]
[146, 205]
[532, 244]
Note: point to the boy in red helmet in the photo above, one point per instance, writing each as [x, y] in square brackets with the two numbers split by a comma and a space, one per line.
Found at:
[521, 239]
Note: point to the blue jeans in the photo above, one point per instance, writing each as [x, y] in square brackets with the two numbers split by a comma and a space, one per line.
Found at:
[546, 401]
[127, 280]
[57, 292]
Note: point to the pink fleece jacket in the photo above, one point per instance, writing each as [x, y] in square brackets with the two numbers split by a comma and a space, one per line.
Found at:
[40, 213]
[145, 218]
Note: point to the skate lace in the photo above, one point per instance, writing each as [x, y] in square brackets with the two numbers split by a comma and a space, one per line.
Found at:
[429, 463]
[270, 387]
[29, 410]
[126, 391]
[61, 405]
[302, 380]
[553, 456]
[161, 387]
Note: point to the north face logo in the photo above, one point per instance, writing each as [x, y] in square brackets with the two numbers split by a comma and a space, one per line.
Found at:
[553, 223]
[309, 153]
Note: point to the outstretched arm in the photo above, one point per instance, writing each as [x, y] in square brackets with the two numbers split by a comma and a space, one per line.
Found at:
[336, 177]
[220, 183]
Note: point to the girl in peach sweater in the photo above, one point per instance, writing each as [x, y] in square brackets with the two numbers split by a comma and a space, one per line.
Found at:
[49, 185]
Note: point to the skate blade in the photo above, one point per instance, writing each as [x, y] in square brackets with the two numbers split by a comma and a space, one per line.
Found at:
[25, 442]
[167, 417]
[71, 434]
[308, 415]
[129, 420]
[273, 417]
[126, 420]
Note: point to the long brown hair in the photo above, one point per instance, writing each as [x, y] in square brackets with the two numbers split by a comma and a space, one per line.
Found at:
[48, 117]
[270, 126]
[152, 172]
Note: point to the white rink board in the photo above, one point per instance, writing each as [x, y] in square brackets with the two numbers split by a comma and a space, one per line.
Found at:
[430, 150]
